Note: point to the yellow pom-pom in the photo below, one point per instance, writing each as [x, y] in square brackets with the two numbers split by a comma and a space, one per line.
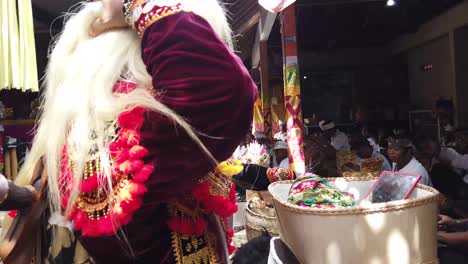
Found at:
[230, 168]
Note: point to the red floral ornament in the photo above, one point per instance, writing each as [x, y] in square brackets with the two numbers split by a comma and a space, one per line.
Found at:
[130, 173]
[211, 198]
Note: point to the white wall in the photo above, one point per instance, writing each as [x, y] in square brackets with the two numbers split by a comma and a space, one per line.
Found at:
[434, 43]
[427, 86]
[454, 18]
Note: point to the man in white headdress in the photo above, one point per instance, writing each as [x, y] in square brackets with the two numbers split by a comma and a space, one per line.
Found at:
[338, 139]
[282, 134]
[400, 152]
[281, 159]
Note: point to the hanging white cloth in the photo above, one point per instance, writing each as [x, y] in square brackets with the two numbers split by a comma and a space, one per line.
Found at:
[17, 46]
[275, 6]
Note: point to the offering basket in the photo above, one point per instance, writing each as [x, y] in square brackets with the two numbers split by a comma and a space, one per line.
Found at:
[397, 232]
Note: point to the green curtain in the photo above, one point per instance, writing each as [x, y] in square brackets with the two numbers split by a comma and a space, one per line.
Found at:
[17, 46]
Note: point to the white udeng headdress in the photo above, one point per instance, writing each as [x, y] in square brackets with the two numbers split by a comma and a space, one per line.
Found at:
[324, 126]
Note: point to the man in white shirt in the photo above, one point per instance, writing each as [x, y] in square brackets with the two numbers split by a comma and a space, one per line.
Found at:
[458, 163]
[446, 155]
[364, 150]
[338, 139]
[446, 167]
[281, 155]
[400, 151]
[282, 134]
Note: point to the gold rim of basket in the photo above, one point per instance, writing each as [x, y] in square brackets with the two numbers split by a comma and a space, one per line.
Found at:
[376, 208]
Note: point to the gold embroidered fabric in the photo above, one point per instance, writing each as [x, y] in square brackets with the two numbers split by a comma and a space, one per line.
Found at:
[344, 157]
[194, 250]
[372, 165]
[220, 184]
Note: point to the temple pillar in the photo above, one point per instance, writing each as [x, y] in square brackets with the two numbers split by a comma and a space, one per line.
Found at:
[292, 89]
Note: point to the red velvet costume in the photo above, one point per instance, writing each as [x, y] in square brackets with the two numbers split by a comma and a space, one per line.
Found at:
[196, 75]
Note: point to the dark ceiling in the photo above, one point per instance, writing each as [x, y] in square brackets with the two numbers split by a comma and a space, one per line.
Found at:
[243, 15]
[336, 24]
[322, 24]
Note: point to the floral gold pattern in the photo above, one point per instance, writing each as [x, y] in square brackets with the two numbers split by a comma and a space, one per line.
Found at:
[142, 14]
[371, 165]
[344, 157]
[279, 174]
[193, 250]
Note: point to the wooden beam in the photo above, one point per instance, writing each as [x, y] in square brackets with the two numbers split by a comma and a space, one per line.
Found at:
[256, 51]
[265, 92]
[267, 20]
[245, 27]
[264, 71]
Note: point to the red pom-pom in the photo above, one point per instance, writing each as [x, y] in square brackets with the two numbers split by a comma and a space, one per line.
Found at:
[201, 192]
[13, 213]
[137, 189]
[113, 147]
[231, 249]
[121, 156]
[130, 206]
[130, 166]
[132, 119]
[143, 174]
[89, 184]
[138, 152]
[128, 137]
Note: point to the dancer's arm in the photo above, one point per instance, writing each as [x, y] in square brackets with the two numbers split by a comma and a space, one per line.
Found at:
[195, 75]
[255, 177]
[13, 197]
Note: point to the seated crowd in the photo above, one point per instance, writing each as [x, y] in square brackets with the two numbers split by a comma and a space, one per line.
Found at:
[441, 165]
